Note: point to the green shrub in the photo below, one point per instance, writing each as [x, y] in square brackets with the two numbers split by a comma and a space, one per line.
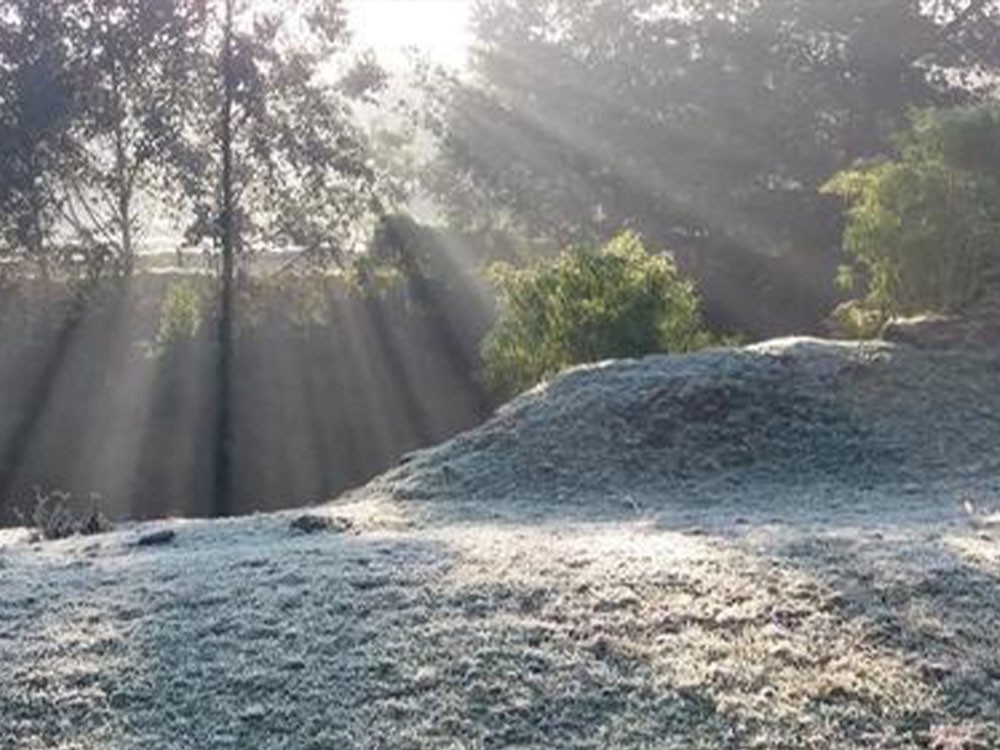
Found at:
[587, 306]
[924, 228]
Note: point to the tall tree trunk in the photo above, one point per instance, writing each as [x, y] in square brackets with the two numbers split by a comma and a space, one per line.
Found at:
[123, 182]
[223, 485]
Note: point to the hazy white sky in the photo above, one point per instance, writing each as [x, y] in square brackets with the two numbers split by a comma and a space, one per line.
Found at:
[439, 28]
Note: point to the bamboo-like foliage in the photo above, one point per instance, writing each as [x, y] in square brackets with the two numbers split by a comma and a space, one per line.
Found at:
[923, 228]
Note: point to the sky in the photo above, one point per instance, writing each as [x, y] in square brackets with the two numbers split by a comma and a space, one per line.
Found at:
[438, 28]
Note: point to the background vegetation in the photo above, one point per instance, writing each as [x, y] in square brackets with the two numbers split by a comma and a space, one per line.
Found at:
[110, 390]
[587, 306]
[923, 230]
[707, 126]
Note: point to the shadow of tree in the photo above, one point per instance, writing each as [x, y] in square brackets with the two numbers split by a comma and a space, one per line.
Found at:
[920, 599]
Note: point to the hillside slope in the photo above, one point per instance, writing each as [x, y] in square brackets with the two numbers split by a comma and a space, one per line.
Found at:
[788, 412]
[787, 546]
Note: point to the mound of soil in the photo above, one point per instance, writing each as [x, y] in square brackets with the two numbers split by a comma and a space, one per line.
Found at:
[791, 411]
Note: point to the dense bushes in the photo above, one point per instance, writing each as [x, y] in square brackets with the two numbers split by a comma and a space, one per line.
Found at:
[586, 306]
[923, 230]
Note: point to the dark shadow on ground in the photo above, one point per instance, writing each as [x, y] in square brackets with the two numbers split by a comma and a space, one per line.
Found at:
[920, 599]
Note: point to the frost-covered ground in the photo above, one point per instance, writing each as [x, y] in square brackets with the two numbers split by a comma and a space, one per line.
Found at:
[484, 600]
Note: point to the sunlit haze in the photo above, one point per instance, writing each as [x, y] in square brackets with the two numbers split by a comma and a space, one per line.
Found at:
[437, 28]
[500, 373]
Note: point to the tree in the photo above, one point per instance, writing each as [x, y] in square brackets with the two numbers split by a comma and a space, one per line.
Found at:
[97, 97]
[136, 80]
[36, 101]
[279, 164]
[299, 175]
[113, 107]
[236, 114]
[705, 125]
[587, 306]
[923, 229]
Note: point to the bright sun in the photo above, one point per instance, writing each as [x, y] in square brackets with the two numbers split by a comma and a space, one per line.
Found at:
[439, 28]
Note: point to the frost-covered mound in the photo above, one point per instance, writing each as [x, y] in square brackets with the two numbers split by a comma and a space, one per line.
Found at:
[783, 412]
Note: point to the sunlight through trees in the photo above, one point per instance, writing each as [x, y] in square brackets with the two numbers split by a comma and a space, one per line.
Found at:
[207, 211]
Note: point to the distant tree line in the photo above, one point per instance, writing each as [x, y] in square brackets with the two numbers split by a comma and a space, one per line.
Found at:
[708, 126]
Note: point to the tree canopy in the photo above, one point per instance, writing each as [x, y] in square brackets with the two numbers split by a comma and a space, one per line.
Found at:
[709, 126]
[112, 117]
